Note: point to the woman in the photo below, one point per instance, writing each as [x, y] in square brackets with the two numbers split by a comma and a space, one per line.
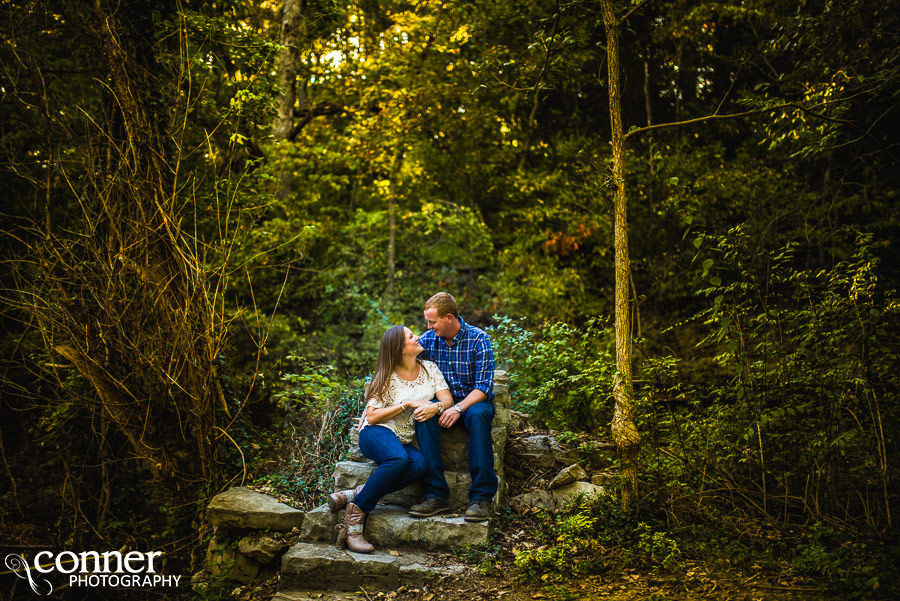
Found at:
[400, 392]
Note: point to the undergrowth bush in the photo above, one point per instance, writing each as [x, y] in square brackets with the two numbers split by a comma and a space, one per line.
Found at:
[593, 535]
[561, 375]
[851, 566]
[800, 410]
[319, 411]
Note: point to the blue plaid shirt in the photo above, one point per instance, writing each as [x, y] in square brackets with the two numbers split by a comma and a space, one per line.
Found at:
[467, 363]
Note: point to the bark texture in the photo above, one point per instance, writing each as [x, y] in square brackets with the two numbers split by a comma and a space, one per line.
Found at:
[288, 63]
[624, 430]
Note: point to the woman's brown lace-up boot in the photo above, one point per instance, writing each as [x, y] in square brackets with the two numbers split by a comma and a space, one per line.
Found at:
[350, 531]
[338, 500]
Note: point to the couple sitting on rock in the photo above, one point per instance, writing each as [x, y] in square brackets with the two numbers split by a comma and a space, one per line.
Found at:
[421, 385]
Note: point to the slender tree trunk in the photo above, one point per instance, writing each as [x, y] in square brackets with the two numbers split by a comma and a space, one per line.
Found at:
[648, 107]
[288, 60]
[392, 238]
[624, 430]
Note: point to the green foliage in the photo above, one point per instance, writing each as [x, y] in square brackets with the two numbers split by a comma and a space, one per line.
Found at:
[852, 567]
[312, 388]
[808, 374]
[593, 536]
[512, 344]
[485, 557]
[474, 143]
[566, 378]
[316, 432]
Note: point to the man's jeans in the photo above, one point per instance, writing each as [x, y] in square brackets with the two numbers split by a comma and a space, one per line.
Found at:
[399, 465]
[477, 422]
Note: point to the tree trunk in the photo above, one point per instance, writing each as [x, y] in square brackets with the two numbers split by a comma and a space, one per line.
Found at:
[392, 238]
[648, 107]
[623, 429]
[288, 60]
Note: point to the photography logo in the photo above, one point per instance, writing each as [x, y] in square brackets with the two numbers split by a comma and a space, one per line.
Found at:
[90, 569]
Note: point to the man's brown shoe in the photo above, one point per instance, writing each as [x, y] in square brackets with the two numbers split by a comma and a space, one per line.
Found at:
[427, 507]
[478, 511]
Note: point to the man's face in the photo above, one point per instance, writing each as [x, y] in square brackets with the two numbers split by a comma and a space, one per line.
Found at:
[439, 325]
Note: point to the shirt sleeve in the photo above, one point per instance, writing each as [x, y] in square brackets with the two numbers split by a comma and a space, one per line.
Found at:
[437, 378]
[484, 366]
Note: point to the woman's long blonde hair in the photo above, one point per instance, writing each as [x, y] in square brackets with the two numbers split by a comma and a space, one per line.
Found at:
[389, 356]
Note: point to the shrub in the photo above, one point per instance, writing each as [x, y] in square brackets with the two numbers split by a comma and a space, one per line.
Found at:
[561, 375]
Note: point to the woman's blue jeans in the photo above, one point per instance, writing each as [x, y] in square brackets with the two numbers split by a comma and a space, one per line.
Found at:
[477, 421]
[399, 465]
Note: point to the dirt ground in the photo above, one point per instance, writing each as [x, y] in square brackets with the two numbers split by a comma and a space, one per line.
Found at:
[629, 586]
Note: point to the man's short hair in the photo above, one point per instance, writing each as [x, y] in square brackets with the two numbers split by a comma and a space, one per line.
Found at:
[444, 303]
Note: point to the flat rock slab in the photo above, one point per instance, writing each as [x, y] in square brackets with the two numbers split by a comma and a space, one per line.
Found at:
[541, 451]
[389, 525]
[321, 566]
[240, 507]
[553, 500]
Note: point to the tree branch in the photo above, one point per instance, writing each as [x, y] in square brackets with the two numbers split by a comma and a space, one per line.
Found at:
[307, 115]
[716, 116]
[624, 17]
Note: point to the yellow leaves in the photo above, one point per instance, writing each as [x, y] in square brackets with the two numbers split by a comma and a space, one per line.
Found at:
[383, 186]
[461, 35]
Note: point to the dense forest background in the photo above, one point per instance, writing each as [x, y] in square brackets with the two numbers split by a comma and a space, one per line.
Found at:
[212, 210]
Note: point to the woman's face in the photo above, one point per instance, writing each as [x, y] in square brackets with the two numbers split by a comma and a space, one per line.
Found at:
[411, 345]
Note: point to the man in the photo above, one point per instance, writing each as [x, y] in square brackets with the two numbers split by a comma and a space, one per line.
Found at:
[464, 355]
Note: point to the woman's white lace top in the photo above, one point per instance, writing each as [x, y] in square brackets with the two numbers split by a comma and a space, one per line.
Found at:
[423, 388]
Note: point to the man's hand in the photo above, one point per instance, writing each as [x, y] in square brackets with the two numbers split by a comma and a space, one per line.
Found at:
[449, 417]
[425, 411]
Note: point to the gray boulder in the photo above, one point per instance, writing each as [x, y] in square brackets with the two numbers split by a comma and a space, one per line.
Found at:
[223, 559]
[565, 493]
[568, 475]
[262, 548]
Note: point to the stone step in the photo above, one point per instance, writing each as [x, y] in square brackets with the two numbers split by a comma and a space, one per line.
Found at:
[389, 525]
[240, 507]
[322, 566]
[454, 448]
[350, 474]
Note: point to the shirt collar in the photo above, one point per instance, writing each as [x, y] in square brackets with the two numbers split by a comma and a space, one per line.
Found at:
[460, 336]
